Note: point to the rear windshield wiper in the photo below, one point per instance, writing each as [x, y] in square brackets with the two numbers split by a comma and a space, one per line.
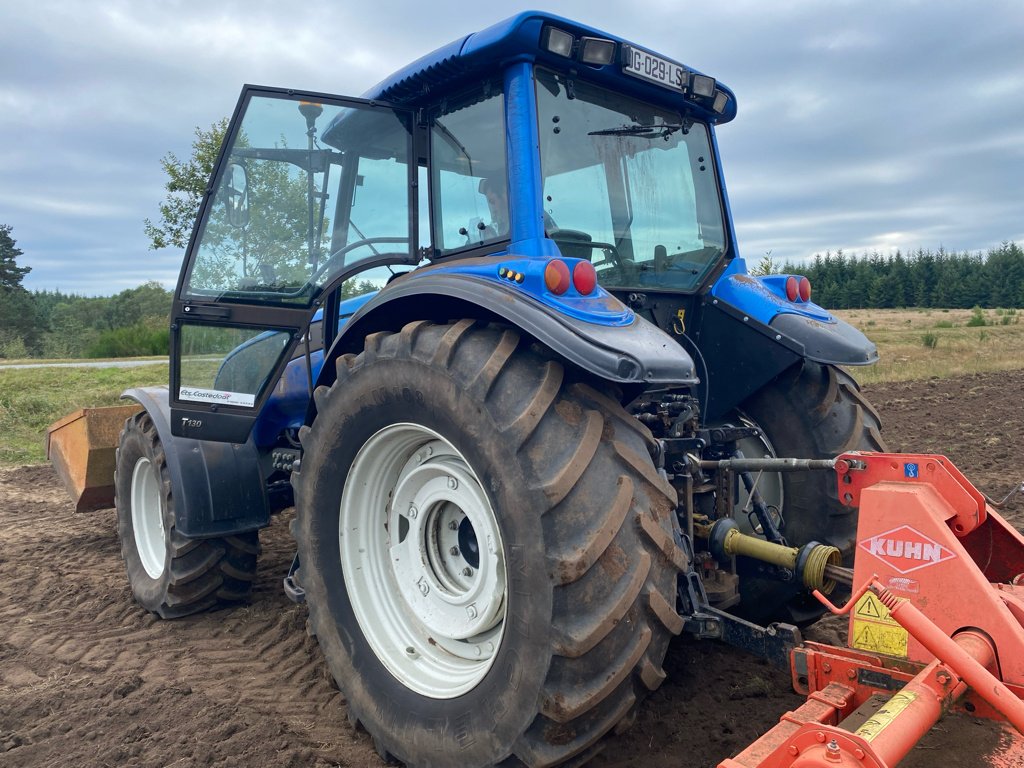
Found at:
[662, 131]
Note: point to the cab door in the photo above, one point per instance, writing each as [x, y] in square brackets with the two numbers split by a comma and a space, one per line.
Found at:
[309, 191]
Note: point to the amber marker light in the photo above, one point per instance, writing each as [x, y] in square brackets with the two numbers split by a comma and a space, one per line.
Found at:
[556, 277]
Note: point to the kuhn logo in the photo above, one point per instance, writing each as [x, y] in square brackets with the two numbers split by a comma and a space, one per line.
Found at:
[906, 549]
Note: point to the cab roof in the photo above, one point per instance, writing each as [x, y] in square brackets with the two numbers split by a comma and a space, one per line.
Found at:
[485, 53]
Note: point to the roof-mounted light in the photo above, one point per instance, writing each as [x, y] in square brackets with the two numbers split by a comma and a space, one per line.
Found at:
[721, 100]
[558, 41]
[702, 85]
[594, 50]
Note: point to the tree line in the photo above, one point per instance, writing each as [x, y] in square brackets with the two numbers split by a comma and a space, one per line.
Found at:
[924, 278]
[134, 322]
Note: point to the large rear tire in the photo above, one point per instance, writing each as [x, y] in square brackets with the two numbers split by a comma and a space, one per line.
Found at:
[811, 411]
[170, 574]
[526, 635]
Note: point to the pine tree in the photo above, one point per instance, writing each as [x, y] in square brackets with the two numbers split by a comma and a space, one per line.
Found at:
[19, 331]
[11, 274]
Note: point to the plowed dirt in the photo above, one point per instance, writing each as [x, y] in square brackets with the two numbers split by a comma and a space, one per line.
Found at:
[87, 678]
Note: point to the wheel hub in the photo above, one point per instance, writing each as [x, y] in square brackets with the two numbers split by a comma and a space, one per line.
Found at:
[423, 561]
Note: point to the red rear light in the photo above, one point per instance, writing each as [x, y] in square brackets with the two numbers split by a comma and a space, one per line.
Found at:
[805, 289]
[584, 277]
[556, 277]
[792, 288]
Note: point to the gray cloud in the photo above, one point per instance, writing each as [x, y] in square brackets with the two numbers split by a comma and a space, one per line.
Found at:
[862, 125]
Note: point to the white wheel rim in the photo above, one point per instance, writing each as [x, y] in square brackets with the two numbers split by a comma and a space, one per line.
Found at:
[423, 562]
[148, 518]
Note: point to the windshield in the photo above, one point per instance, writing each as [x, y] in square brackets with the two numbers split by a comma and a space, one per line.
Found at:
[628, 185]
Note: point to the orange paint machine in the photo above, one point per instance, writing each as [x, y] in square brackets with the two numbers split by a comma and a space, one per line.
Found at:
[936, 625]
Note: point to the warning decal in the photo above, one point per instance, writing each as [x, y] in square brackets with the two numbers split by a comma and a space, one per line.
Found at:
[873, 629]
[880, 638]
[886, 715]
[870, 607]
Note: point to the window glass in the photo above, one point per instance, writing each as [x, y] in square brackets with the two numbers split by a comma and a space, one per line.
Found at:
[629, 185]
[226, 365]
[470, 181]
[306, 190]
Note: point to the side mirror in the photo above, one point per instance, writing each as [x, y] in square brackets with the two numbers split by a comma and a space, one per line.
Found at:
[236, 195]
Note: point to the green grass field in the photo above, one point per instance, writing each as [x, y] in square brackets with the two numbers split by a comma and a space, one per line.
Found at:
[33, 398]
[913, 344]
[918, 344]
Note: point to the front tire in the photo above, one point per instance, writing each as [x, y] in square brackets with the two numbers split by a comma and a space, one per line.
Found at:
[812, 411]
[170, 574]
[573, 529]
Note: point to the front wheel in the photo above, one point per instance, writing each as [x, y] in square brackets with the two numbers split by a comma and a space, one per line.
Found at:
[170, 574]
[812, 411]
[487, 550]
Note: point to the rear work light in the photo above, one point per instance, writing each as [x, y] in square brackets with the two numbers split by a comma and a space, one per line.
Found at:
[584, 278]
[556, 277]
[702, 85]
[558, 41]
[594, 50]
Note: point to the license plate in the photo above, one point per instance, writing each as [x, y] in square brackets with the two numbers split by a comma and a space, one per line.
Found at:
[647, 66]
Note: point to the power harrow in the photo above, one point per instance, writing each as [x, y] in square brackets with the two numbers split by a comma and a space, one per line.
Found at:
[935, 624]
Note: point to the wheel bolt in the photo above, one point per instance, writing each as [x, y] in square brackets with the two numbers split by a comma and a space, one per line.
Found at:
[467, 571]
[454, 551]
[452, 483]
[453, 526]
[413, 511]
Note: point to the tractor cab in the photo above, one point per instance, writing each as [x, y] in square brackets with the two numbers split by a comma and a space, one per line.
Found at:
[543, 159]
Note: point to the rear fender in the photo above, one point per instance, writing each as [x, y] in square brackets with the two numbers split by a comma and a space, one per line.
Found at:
[748, 334]
[825, 338]
[217, 487]
[634, 355]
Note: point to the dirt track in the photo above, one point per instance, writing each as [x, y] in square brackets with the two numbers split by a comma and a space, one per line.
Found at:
[87, 678]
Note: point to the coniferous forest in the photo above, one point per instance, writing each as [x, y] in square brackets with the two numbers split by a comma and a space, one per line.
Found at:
[54, 324]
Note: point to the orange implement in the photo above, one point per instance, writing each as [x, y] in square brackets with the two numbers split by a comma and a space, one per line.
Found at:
[82, 448]
[936, 626]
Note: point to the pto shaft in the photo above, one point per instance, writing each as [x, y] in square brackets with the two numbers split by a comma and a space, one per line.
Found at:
[809, 562]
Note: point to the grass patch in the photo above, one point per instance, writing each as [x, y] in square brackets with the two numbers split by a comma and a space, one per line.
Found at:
[926, 348]
[33, 398]
[912, 345]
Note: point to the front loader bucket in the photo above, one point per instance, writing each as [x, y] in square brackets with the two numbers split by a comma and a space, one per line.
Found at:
[82, 448]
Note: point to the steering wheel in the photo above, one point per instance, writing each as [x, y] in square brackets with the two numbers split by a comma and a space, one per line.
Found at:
[576, 244]
[340, 253]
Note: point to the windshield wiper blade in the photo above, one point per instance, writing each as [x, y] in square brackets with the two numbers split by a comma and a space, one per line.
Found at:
[662, 131]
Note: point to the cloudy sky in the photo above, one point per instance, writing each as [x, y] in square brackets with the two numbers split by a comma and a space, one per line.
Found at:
[868, 125]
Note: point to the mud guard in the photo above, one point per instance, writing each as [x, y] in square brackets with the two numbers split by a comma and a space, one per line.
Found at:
[637, 355]
[741, 353]
[219, 486]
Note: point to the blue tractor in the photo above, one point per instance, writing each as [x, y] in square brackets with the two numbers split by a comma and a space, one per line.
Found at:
[487, 328]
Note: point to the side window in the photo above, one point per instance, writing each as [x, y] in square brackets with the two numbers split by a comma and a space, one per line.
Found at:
[307, 190]
[470, 179]
[226, 365]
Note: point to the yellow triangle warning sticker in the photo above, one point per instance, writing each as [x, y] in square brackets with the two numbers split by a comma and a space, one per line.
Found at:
[870, 607]
[880, 638]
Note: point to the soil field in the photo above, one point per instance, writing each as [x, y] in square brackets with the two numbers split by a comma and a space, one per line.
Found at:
[87, 678]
